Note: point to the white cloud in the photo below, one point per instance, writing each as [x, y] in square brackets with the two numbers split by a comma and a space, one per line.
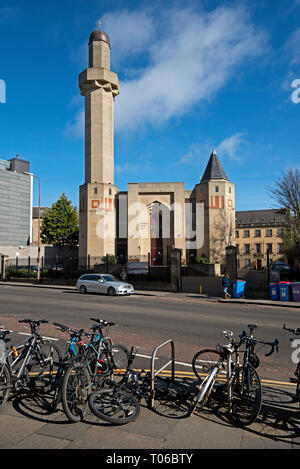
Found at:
[189, 62]
[9, 13]
[76, 128]
[192, 155]
[130, 33]
[176, 60]
[292, 47]
[230, 146]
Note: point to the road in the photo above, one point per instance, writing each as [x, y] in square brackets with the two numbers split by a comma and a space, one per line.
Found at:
[147, 320]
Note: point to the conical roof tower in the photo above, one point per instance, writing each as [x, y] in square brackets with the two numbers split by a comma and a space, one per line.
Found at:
[214, 169]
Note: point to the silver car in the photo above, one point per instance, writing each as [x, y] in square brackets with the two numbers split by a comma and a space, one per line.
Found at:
[103, 283]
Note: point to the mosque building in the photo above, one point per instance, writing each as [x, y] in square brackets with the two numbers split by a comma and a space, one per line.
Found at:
[149, 219]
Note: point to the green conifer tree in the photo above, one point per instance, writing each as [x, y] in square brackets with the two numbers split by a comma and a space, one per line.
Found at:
[60, 225]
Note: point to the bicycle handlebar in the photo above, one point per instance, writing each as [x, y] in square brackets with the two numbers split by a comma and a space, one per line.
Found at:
[294, 331]
[68, 329]
[103, 323]
[32, 321]
[273, 345]
[34, 325]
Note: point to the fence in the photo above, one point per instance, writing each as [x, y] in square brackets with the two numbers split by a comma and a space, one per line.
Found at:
[258, 280]
[72, 267]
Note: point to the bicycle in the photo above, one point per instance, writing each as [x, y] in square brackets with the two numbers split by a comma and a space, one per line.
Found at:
[296, 398]
[32, 363]
[217, 370]
[85, 367]
[104, 357]
[251, 361]
[119, 403]
[73, 410]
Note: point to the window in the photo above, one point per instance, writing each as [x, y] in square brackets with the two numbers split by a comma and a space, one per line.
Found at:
[109, 191]
[257, 234]
[246, 248]
[247, 262]
[95, 190]
[258, 248]
[237, 234]
[269, 232]
[95, 278]
[279, 232]
[280, 248]
[270, 248]
[217, 188]
[229, 189]
[246, 233]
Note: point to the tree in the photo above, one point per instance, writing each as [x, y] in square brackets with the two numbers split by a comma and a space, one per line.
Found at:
[286, 192]
[60, 225]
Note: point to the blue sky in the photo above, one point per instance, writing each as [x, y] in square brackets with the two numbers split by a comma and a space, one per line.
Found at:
[194, 76]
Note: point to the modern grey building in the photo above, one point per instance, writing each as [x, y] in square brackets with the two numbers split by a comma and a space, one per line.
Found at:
[15, 203]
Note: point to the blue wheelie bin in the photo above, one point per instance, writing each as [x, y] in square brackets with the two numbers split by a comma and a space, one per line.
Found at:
[274, 293]
[284, 291]
[238, 288]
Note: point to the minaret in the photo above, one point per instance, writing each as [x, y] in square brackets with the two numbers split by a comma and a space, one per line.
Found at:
[99, 86]
[217, 194]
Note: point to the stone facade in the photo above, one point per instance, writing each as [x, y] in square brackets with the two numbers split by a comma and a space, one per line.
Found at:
[99, 86]
[150, 219]
[257, 231]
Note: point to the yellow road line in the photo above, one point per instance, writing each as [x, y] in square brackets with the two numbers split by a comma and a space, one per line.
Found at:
[190, 374]
[266, 382]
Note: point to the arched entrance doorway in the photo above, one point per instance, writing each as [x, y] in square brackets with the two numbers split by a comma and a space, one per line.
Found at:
[159, 232]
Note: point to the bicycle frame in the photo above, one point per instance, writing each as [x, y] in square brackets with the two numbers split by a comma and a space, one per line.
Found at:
[25, 352]
[65, 361]
[226, 352]
[296, 332]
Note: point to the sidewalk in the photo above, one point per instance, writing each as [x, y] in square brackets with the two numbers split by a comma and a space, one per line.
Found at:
[25, 424]
[167, 294]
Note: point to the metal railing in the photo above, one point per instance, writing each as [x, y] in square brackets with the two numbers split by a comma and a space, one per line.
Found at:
[155, 373]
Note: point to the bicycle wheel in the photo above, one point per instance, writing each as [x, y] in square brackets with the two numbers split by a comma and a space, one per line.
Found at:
[75, 390]
[120, 356]
[246, 395]
[115, 406]
[204, 361]
[4, 386]
[297, 392]
[42, 366]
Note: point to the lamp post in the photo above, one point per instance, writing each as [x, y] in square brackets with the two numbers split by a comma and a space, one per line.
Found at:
[39, 227]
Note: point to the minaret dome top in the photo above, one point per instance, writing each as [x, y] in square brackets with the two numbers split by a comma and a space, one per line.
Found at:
[99, 35]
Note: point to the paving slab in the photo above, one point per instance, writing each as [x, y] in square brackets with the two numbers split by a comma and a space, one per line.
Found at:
[13, 429]
[107, 437]
[37, 441]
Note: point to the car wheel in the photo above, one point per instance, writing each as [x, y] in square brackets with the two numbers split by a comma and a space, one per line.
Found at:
[82, 289]
[111, 291]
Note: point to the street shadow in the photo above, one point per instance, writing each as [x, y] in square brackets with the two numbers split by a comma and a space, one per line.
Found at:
[278, 420]
[37, 406]
[176, 404]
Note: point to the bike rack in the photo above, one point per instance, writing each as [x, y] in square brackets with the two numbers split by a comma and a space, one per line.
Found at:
[155, 373]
